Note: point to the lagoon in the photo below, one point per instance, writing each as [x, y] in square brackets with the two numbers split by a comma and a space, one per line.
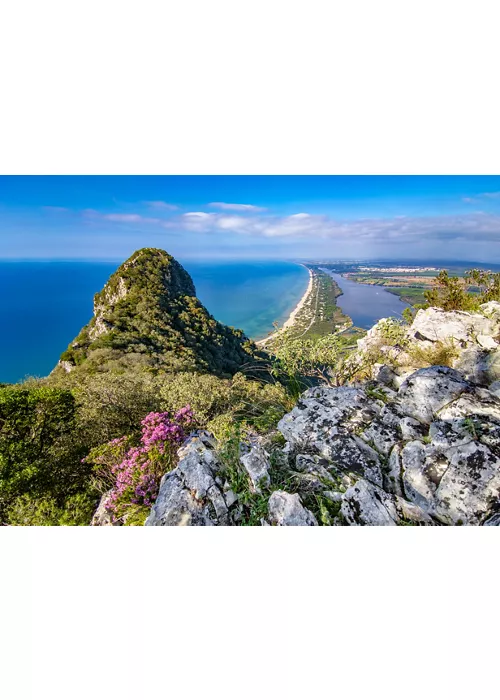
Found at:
[366, 303]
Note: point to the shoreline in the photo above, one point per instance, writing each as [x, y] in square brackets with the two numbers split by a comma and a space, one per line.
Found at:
[290, 321]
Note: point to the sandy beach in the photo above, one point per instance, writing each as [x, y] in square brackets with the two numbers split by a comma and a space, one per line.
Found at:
[291, 319]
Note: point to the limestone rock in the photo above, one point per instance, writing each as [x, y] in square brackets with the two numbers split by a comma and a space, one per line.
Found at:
[189, 495]
[428, 390]
[456, 485]
[325, 422]
[256, 464]
[479, 365]
[384, 375]
[474, 402]
[382, 436]
[366, 504]
[392, 474]
[287, 509]
[494, 520]
[491, 310]
[435, 324]
[494, 388]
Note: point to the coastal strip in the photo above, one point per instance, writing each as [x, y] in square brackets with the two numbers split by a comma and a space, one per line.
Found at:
[291, 320]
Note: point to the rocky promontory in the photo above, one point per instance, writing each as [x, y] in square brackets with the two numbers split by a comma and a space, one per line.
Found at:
[408, 445]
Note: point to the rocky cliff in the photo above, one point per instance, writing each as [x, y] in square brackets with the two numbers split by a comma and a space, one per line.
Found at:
[148, 315]
[410, 445]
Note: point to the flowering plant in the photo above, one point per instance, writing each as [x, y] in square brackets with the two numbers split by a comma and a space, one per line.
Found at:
[131, 471]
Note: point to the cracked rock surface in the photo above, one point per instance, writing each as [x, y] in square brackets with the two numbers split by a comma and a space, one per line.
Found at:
[409, 447]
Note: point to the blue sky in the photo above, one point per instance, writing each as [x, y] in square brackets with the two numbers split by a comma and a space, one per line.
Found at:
[286, 217]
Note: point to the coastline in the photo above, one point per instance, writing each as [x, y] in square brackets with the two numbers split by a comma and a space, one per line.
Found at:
[293, 315]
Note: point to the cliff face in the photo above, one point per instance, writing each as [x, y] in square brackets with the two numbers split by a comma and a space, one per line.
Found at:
[411, 446]
[148, 315]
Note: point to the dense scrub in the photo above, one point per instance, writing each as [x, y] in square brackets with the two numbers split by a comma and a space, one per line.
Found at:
[41, 473]
[148, 315]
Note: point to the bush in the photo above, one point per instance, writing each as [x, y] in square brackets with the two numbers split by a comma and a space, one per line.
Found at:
[40, 451]
[323, 359]
[75, 510]
[442, 353]
[215, 401]
[132, 469]
[464, 294]
[111, 405]
[393, 332]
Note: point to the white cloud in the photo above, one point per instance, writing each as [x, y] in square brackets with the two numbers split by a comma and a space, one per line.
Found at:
[235, 207]
[477, 226]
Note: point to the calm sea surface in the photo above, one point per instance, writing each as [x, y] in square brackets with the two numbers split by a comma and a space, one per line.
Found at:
[43, 305]
[366, 303]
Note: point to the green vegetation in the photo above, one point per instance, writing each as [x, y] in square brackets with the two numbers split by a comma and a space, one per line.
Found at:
[148, 317]
[441, 353]
[411, 294]
[321, 316]
[40, 454]
[254, 502]
[304, 360]
[464, 294]
[151, 347]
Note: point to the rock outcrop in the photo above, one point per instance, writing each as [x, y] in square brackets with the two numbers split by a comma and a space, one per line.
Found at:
[419, 447]
[148, 316]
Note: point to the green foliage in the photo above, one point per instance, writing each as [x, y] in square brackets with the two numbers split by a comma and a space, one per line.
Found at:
[376, 393]
[111, 405]
[408, 315]
[487, 284]
[464, 293]
[393, 331]
[40, 451]
[147, 316]
[320, 359]
[216, 402]
[75, 510]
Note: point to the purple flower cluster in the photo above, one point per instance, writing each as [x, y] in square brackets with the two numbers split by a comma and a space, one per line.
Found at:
[136, 471]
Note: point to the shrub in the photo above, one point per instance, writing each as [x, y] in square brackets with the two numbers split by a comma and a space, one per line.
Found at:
[323, 359]
[393, 331]
[441, 353]
[40, 450]
[111, 405]
[464, 294]
[213, 401]
[133, 471]
[75, 510]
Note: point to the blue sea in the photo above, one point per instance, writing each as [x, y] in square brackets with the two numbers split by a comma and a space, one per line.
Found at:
[43, 305]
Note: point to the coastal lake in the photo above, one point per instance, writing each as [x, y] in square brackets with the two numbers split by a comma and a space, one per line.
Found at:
[366, 303]
[43, 305]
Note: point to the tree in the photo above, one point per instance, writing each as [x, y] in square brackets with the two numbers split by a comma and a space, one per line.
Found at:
[464, 293]
[39, 450]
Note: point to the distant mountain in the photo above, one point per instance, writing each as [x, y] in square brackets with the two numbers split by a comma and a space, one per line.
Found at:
[148, 315]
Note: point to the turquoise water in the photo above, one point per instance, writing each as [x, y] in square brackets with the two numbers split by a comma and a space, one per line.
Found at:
[43, 305]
